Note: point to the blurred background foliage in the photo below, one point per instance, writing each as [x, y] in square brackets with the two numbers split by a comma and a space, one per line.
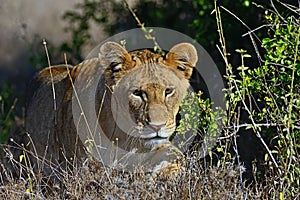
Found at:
[191, 17]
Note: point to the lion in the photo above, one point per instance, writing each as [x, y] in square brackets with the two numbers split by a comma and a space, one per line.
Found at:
[127, 101]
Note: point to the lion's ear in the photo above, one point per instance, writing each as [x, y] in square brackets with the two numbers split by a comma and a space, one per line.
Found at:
[182, 58]
[115, 59]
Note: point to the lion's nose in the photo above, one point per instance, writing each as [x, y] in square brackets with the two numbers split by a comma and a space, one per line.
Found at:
[156, 127]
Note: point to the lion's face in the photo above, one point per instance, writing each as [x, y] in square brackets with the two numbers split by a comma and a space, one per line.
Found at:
[147, 89]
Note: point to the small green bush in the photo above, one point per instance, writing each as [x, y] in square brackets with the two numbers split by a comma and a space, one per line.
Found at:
[269, 95]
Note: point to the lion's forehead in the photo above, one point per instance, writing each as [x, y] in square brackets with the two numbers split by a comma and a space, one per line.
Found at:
[154, 76]
[145, 56]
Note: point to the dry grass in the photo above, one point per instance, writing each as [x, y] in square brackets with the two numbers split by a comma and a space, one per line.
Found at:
[90, 181]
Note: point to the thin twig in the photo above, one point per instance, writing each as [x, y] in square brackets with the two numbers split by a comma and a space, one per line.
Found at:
[253, 30]
[12, 107]
[140, 24]
[276, 11]
[239, 21]
[52, 81]
[291, 7]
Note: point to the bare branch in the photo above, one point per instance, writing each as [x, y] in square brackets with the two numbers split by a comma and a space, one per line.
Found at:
[140, 24]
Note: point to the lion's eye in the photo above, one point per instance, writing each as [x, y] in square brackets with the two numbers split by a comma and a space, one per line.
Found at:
[116, 66]
[169, 91]
[137, 93]
[181, 67]
[140, 94]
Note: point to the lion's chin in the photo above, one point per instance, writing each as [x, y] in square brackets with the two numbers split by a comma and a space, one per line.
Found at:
[155, 142]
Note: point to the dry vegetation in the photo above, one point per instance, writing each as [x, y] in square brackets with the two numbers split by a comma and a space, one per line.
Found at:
[90, 180]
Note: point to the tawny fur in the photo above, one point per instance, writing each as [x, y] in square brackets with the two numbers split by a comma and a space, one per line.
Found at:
[152, 86]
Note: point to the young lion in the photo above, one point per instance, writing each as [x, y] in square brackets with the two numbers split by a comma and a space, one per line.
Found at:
[120, 106]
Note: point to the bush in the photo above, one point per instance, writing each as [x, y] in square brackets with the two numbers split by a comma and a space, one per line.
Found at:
[267, 96]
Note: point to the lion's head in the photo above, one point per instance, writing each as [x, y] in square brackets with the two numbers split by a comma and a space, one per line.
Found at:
[147, 89]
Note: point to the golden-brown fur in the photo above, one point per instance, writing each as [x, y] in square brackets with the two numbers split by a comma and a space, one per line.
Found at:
[147, 85]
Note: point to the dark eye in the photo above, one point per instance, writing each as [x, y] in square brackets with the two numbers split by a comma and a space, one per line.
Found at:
[181, 67]
[169, 91]
[116, 66]
[137, 92]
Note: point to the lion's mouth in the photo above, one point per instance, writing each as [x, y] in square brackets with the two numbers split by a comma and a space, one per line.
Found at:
[155, 141]
[154, 135]
[158, 138]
